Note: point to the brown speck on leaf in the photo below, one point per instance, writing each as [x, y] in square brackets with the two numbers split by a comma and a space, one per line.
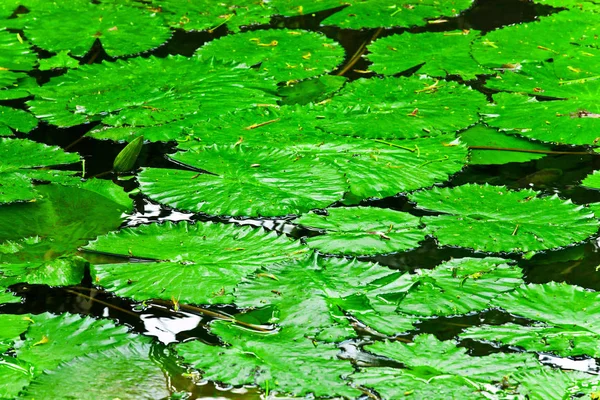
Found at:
[114, 28]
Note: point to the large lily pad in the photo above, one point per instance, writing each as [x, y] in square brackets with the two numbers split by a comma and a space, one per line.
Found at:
[440, 53]
[381, 13]
[494, 219]
[283, 361]
[245, 183]
[553, 36]
[401, 108]
[14, 119]
[193, 263]
[363, 231]
[282, 53]
[20, 159]
[568, 316]
[16, 56]
[143, 91]
[121, 27]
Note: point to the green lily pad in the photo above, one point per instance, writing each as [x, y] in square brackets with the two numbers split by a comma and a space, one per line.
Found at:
[208, 15]
[428, 359]
[459, 286]
[142, 92]
[481, 136]
[60, 222]
[494, 219]
[62, 271]
[245, 183]
[16, 57]
[548, 383]
[381, 13]
[592, 180]
[567, 314]
[20, 160]
[401, 108]
[51, 340]
[122, 29]
[552, 36]
[11, 328]
[199, 263]
[15, 376]
[124, 372]
[14, 119]
[61, 60]
[440, 53]
[282, 53]
[314, 295]
[363, 231]
[283, 361]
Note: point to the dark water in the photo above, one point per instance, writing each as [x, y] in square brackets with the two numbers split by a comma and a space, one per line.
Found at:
[575, 265]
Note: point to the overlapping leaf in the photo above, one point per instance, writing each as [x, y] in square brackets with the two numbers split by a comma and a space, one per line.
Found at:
[199, 263]
[428, 360]
[150, 91]
[592, 180]
[494, 219]
[438, 53]
[282, 53]
[14, 119]
[121, 27]
[401, 108]
[283, 361]
[363, 231]
[16, 57]
[567, 314]
[381, 13]
[19, 163]
[313, 295]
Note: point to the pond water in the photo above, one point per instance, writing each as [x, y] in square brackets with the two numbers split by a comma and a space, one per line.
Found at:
[554, 174]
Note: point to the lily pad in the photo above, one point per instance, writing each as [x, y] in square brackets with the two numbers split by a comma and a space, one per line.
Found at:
[283, 361]
[122, 28]
[592, 180]
[401, 108]
[494, 219]
[199, 263]
[510, 147]
[142, 92]
[14, 119]
[315, 295]
[381, 13]
[552, 36]
[61, 60]
[20, 160]
[208, 15]
[62, 271]
[124, 372]
[568, 323]
[363, 231]
[16, 57]
[285, 54]
[245, 183]
[439, 54]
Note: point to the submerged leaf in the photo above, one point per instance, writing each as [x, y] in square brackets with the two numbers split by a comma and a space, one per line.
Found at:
[283, 361]
[494, 219]
[363, 231]
[150, 91]
[284, 54]
[199, 263]
[19, 160]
